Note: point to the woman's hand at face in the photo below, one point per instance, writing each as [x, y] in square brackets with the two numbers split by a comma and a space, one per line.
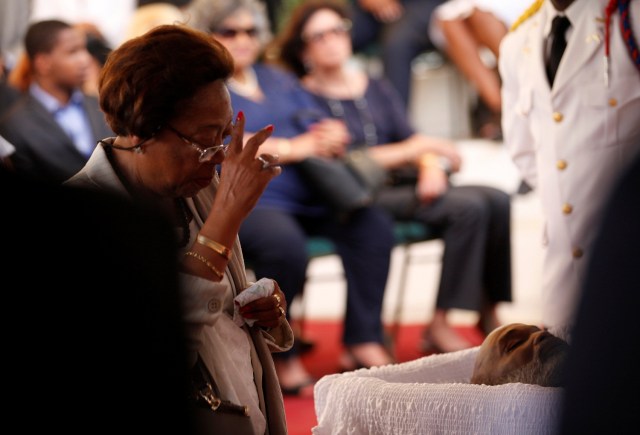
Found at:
[244, 176]
[268, 311]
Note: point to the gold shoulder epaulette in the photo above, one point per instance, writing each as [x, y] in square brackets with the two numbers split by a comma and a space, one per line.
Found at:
[528, 13]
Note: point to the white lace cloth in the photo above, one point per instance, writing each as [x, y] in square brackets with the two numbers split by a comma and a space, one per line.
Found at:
[431, 395]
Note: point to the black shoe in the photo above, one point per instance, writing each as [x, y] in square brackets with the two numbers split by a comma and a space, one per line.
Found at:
[303, 346]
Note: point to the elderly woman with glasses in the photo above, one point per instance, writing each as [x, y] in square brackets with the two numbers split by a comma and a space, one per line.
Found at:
[274, 235]
[164, 95]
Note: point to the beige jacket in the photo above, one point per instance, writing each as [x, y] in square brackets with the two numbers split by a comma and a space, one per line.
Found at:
[203, 299]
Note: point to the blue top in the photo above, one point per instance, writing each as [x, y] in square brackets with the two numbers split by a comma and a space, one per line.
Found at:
[383, 106]
[291, 110]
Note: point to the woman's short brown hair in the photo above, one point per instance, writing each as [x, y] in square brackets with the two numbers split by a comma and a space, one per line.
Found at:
[145, 78]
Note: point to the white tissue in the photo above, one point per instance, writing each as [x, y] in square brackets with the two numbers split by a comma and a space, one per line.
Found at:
[263, 288]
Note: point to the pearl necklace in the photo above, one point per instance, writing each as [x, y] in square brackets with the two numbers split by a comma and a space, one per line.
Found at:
[249, 87]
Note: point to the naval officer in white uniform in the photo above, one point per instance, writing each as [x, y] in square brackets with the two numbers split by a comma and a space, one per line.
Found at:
[570, 140]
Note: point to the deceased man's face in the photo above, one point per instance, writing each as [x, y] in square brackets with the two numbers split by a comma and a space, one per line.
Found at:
[520, 353]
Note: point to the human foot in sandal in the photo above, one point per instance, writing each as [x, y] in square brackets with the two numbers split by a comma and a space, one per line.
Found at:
[293, 377]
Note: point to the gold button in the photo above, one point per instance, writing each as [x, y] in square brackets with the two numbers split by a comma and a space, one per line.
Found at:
[613, 102]
[561, 164]
[557, 116]
[577, 253]
[214, 305]
[567, 209]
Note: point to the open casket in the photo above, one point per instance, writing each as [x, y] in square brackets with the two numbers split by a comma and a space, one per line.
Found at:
[432, 395]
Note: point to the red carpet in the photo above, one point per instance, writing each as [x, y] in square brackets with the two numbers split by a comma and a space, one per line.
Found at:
[323, 360]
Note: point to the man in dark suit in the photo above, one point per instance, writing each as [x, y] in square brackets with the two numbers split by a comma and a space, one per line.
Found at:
[54, 127]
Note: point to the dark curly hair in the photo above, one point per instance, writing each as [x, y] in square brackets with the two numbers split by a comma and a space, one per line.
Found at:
[287, 49]
[145, 78]
[42, 36]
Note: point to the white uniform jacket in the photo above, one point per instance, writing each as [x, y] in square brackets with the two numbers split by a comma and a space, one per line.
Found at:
[573, 141]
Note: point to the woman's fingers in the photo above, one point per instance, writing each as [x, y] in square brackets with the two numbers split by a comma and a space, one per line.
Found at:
[237, 135]
[267, 311]
[269, 161]
[245, 155]
[266, 162]
[254, 142]
[250, 149]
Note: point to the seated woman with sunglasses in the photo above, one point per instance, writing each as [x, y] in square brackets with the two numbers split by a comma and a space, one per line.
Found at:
[275, 233]
[171, 115]
[474, 220]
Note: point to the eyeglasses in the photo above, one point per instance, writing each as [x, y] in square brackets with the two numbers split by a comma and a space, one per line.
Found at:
[228, 32]
[206, 154]
[340, 30]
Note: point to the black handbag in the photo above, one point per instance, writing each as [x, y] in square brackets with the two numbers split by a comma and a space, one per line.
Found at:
[346, 184]
[210, 413]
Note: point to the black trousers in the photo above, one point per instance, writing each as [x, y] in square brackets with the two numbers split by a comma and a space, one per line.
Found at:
[274, 243]
[475, 223]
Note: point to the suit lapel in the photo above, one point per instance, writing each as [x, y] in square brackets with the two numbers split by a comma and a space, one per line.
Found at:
[587, 38]
[46, 121]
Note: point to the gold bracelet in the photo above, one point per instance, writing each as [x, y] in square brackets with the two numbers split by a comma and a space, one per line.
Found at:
[205, 261]
[215, 246]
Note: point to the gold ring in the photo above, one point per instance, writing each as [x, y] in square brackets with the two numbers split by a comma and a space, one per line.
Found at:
[282, 313]
[278, 300]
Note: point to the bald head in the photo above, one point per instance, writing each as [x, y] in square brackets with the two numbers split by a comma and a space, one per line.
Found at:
[520, 353]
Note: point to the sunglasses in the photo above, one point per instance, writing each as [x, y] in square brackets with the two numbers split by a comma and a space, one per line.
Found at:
[229, 33]
[339, 30]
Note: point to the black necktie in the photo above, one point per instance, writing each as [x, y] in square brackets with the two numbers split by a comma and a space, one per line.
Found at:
[559, 27]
